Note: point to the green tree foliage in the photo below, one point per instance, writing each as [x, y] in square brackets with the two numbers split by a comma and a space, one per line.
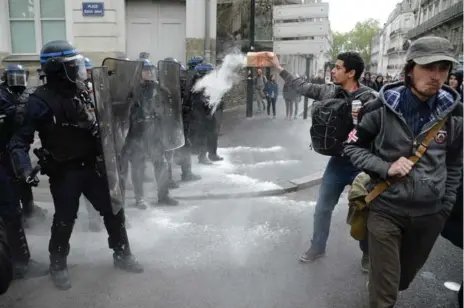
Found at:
[359, 39]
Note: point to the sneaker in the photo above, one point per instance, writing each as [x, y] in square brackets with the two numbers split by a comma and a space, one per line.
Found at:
[365, 263]
[141, 204]
[190, 177]
[167, 201]
[311, 255]
[215, 157]
[173, 185]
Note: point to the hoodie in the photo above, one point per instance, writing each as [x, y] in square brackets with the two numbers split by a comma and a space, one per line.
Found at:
[383, 136]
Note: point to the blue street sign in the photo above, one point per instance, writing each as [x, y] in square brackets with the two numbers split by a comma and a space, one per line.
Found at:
[93, 9]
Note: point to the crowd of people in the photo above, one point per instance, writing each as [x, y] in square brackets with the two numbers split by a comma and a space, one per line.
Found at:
[403, 145]
[156, 118]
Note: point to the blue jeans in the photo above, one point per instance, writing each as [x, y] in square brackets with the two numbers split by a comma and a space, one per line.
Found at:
[339, 173]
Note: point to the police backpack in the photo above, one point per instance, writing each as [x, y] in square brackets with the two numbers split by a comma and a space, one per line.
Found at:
[331, 122]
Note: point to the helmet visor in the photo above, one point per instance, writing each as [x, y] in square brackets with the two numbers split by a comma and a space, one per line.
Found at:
[16, 78]
[75, 68]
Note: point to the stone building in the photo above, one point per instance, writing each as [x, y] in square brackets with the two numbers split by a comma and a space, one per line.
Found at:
[107, 28]
[387, 53]
[440, 18]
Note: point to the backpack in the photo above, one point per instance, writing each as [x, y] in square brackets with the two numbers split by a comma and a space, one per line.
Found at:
[331, 123]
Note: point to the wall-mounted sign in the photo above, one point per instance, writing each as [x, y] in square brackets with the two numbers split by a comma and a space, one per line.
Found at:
[93, 9]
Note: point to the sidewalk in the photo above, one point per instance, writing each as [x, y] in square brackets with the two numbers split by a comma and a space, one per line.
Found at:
[262, 157]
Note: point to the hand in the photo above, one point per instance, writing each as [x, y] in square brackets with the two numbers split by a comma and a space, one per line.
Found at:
[400, 168]
[274, 61]
[32, 179]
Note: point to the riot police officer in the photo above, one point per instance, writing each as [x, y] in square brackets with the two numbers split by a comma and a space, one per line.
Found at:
[205, 131]
[11, 116]
[13, 83]
[72, 149]
[144, 138]
[184, 153]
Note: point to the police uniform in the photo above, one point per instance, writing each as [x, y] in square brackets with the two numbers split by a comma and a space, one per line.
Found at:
[70, 135]
[144, 139]
[10, 117]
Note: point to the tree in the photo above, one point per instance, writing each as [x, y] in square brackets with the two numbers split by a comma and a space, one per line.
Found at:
[339, 42]
[359, 39]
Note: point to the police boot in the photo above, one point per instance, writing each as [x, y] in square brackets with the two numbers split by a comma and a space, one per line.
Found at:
[23, 266]
[118, 241]
[215, 157]
[59, 250]
[202, 159]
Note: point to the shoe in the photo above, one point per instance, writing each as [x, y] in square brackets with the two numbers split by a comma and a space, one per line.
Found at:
[215, 157]
[190, 177]
[31, 269]
[167, 201]
[204, 161]
[365, 263]
[311, 255]
[141, 204]
[60, 277]
[127, 263]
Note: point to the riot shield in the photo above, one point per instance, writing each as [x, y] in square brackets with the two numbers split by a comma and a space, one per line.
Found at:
[170, 99]
[113, 85]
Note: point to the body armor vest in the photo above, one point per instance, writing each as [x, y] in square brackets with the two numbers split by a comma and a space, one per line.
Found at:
[66, 137]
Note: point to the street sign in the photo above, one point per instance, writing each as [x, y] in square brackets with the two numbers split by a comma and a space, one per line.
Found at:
[301, 29]
[93, 9]
[301, 11]
[300, 47]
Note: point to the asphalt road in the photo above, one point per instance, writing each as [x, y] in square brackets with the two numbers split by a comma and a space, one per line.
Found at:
[225, 253]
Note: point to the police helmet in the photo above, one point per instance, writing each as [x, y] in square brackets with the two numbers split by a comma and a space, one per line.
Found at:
[204, 68]
[61, 59]
[88, 64]
[194, 61]
[16, 75]
[171, 59]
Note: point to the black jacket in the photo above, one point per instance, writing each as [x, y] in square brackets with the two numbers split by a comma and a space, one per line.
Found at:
[6, 268]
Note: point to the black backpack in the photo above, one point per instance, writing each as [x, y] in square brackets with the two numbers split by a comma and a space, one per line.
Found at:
[331, 123]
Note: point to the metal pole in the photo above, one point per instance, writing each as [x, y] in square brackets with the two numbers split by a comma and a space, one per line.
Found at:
[308, 66]
[207, 54]
[249, 107]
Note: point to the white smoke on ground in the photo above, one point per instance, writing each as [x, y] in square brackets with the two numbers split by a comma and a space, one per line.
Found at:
[219, 81]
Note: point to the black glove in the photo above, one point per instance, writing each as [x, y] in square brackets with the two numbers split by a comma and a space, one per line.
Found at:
[31, 177]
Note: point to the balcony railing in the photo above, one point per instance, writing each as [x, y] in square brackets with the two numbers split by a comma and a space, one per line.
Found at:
[450, 13]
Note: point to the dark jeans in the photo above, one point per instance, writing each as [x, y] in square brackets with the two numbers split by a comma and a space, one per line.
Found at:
[399, 247]
[271, 101]
[339, 173]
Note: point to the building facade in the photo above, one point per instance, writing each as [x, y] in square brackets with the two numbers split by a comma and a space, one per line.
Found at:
[440, 18]
[108, 28]
[387, 52]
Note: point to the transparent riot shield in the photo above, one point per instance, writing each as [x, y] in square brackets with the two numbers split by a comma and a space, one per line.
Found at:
[113, 87]
[170, 99]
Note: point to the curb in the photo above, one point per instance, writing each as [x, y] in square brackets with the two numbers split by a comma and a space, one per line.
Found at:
[286, 187]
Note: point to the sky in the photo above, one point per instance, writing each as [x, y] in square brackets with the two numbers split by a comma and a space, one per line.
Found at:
[344, 14]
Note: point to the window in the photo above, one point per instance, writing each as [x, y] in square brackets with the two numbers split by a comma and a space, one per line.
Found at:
[34, 23]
